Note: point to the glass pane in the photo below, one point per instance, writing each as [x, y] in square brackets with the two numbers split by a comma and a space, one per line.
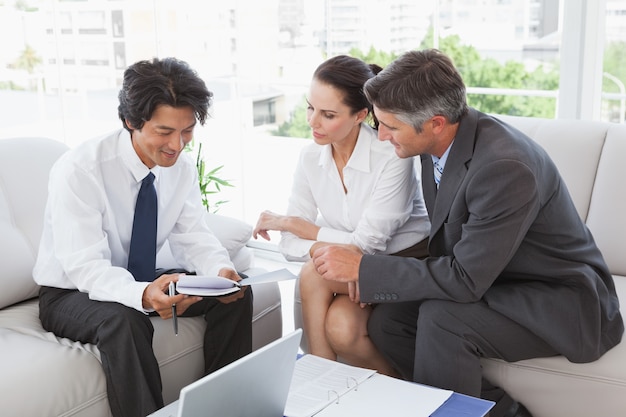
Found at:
[614, 63]
[506, 50]
[62, 62]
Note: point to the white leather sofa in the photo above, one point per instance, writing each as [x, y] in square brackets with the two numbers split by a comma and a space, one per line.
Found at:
[591, 157]
[44, 375]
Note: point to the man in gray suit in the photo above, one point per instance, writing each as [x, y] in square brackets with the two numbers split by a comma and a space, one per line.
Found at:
[513, 272]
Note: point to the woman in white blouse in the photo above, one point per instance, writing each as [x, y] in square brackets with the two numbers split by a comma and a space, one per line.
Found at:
[349, 188]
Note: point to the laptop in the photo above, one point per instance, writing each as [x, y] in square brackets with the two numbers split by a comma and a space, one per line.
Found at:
[255, 385]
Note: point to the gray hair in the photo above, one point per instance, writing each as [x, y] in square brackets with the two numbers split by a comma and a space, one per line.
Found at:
[417, 86]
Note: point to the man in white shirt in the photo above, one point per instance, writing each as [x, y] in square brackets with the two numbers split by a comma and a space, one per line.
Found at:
[87, 292]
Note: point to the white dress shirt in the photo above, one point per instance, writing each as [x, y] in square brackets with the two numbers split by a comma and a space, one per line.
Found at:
[89, 219]
[383, 210]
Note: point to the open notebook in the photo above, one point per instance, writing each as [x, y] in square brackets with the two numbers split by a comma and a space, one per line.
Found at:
[255, 385]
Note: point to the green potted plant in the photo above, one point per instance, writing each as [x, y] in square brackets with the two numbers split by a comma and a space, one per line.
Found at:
[209, 180]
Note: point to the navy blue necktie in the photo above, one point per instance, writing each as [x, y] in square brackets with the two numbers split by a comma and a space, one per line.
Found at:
[142, 254]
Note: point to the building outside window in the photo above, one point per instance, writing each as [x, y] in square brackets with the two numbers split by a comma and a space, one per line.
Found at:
[62, 63]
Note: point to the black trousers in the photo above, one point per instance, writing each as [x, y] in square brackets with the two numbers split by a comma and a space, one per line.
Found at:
[124, 335]
[440, 343]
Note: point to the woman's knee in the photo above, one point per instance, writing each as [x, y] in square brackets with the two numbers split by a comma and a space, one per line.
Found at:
[311, 283]
[308, 277]
[345, 325]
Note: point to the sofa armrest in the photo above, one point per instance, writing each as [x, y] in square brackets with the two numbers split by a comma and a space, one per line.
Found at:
[232, 233]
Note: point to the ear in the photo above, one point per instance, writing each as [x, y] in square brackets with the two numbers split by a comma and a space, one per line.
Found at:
[438, 123]
[361, 115]
[128, 125]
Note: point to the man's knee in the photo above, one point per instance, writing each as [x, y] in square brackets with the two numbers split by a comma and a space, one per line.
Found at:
[126, 320]
[436, 314]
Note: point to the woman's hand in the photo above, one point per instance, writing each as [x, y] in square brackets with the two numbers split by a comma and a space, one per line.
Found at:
[296, 225]
[267, 221]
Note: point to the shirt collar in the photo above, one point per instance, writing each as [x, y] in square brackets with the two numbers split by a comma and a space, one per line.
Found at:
[442, 161]
[360, 158]
[137, 168]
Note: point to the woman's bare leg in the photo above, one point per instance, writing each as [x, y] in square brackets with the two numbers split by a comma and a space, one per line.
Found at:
[317, 294]
[346, 331]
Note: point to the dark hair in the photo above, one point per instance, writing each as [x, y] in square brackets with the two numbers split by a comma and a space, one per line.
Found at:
[348, 75]
[168, 81]
[417, 86]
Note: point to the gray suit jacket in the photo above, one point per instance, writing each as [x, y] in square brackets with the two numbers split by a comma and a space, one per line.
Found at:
[505, 231]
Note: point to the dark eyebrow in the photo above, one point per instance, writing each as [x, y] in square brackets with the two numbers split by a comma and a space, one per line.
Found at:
[323, 110]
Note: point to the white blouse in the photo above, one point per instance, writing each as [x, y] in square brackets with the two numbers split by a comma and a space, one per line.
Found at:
[383, 210]
[89, 219]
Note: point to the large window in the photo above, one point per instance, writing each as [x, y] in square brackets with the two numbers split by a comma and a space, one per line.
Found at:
[62, 61]
[614, 63]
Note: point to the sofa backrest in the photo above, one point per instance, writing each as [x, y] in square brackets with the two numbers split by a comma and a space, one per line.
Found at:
[24, 167]
[591, 158]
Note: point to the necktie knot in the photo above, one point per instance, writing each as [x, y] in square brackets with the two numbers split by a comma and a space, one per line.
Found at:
[438, 171]
[148, 179]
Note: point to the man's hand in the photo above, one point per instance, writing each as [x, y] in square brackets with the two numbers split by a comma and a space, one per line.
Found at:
[155, 297]
[232, 275]
[340, 263]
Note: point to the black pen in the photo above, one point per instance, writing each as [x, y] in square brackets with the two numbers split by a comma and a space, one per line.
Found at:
[174, 317]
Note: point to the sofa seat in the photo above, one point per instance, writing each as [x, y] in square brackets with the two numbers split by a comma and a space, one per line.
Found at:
[552, 387]
[45, 375]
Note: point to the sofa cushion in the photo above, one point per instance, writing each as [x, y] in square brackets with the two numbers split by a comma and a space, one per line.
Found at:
[607, 210]
[35, 377]
[574, 146]
[22, 204]
[545, 385]
[232, 233]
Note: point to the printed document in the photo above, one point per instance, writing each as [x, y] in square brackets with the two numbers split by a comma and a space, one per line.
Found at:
[326, 388]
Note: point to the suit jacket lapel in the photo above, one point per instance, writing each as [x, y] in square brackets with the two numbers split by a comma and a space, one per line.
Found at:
[438, 202]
